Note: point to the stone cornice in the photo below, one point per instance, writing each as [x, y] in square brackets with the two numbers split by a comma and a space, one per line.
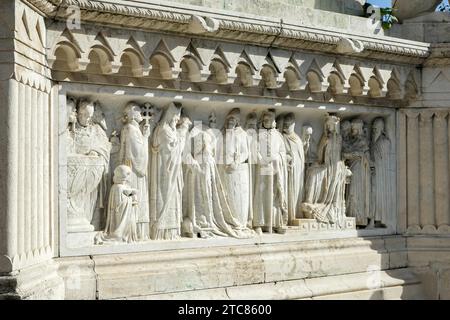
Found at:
[439, 56]
[258, 30]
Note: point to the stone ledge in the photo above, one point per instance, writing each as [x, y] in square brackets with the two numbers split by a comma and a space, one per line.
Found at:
[170, 272]
[394, 284]
[264, 31]
[40, 282]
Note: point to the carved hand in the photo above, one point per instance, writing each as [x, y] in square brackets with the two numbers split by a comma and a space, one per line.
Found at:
[146, 130]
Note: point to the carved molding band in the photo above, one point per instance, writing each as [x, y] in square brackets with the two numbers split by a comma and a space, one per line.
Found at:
[250, 30]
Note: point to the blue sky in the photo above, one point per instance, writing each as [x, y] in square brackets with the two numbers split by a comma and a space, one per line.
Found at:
[381, 3]
[385, 3]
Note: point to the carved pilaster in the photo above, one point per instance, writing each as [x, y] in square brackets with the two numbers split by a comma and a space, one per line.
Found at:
[426, 182]
[25, 215]
[402, 160]
[412, 156]
[441, 168]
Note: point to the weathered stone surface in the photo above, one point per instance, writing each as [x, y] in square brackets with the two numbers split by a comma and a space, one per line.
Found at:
[65, 130]
[284, 269]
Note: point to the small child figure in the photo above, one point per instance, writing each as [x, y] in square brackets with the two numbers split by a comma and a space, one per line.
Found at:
[121, 217]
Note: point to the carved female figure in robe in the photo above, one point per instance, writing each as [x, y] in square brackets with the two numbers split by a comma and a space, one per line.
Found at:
[358, 159]
[88, 167]
[296, 167]
[346, 130]
[251, 127]
[325, 183]
[167, 175]
[208, 210]
[134, 153]
[121, 215]
[382, 191]
[235, 169]
[270, 199]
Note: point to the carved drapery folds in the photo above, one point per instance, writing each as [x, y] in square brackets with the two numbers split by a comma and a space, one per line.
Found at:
[177, 177]
[87, 167]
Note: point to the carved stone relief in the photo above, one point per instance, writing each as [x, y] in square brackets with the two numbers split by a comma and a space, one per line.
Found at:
[176, 176]
[88, 167]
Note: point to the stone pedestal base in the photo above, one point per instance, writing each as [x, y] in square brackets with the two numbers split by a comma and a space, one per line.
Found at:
[312, 225]
[348, 268]
[80, 239]
[40, 282]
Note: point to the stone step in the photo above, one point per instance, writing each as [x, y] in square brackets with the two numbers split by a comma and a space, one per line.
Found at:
[400, 284]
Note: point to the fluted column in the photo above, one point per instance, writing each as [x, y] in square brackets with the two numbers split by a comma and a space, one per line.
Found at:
[412, 156]
[402, 173]
[26, 170]
[427, 216]
[441, 168]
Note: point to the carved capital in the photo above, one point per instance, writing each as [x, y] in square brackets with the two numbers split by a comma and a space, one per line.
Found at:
[410, 114]
[441, 115]
[426, 116]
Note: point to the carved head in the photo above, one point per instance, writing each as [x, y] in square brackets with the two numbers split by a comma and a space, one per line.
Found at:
[307, 132]
[212, 119]
[232, 120]
[346, 127]
[132, 112]
[185, 122]
[71, 111]
[289, 123]
[332, 124]
[244, 74]
[172, 115]
[377, 128]
[268, 77]
[252, 121]
[99, 116]
[122, 174]
[357, 127]
[268, 119]
[85, 114]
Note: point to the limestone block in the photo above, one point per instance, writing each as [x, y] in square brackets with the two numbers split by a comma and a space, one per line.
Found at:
[198, 270]
[367, 285]
[209, 294]
[39, 282]
[407, 9]
[444, 283]
[430, 281]
[287, 290]
[398, 260]
[79, 278]
[143, 274]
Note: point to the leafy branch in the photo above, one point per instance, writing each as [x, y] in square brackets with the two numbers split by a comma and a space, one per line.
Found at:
[443, 7]
[387, 17]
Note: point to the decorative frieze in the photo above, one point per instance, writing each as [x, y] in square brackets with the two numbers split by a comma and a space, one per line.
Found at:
[155, 17]
[166, 62]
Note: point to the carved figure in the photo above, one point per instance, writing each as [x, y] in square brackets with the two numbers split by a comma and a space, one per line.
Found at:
[134, 153]
[296, 167]
[121, 222]
[325, 183]
[358, 159]
[270, 200]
